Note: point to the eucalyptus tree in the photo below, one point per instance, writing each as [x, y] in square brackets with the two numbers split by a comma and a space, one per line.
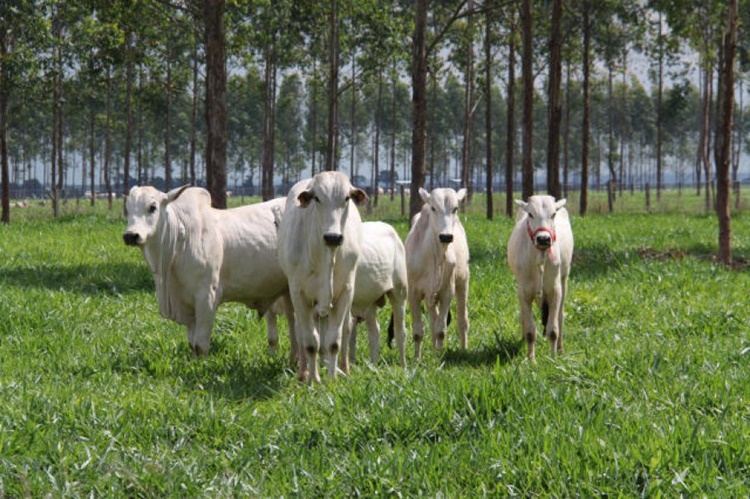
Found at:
[289, 123]
[23, 31]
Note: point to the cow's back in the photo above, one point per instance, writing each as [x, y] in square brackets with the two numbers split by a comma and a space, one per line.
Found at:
[381, 264]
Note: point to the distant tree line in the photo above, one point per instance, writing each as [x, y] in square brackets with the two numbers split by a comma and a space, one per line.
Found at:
[249, 94]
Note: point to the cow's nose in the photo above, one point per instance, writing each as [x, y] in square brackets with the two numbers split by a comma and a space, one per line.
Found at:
[543, 241]
[446, 238]
[333, 239]
[131, 238]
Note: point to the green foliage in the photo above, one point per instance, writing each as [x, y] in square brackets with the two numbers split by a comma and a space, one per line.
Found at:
[100, 395]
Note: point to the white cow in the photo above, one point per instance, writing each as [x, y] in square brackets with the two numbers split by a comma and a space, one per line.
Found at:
[437, 261]
[381, 272]
[540, 251]
[201, 257]
[320, 239]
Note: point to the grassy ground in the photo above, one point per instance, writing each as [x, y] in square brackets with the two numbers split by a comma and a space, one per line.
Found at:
[100, 396]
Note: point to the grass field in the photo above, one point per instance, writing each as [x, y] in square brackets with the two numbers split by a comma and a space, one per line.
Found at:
[99, 395]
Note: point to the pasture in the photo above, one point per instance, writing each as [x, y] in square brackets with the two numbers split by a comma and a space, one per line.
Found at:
[99, 395]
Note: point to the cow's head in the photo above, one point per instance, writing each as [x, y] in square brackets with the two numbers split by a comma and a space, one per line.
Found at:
[330, 195]
[540, 219]
[145, 205]
[443, 203]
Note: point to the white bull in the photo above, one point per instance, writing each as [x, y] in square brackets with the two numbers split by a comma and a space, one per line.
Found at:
[320, 239]
[540, 250]
[437, 261]
[201, 257]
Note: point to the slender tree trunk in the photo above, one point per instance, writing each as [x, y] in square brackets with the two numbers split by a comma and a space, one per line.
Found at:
[511, 127]
[314, 118]
[528, 99]
[108, 141]
[128, 123]
[168, 128]
[378, 118]
[194, 114]
[723, 146]
[333, 88]
[739, 143]
[583, 205]
[566, 140]
[394, 103]
[4, 98]
[488, 110]
[554, 98]
[92, 154]
[612, 146]
[269, 121]
[353, 170]
[659, 115]
[216, 103]
[419, 100]
[466, 180]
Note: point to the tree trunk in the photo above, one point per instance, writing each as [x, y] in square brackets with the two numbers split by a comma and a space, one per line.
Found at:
[128, 123]
[488, 109]
[466, 180]
[194, 114]
[108, 141]
[269, 121]
[554, 102]
[511, 127]
[566, 140]
[419, 100]
[611, 146]
[216, 103]
[168, 128]
[528, 100]
[583, 205]
[353, 170]
[723, 146]
[659, 115]
[376, 159]
[333, 89]
[4, 97]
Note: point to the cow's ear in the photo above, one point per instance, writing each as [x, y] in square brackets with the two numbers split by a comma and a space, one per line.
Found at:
[522, 204]
[424, 195]
[304, 198]
[358, 196]
[560, 204]
[175, 193]
[461, 194]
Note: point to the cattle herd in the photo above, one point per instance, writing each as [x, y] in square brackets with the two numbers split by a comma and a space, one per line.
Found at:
[311, 258]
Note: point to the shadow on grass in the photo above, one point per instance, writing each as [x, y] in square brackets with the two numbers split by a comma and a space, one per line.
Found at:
[502, 351]
[114, 278]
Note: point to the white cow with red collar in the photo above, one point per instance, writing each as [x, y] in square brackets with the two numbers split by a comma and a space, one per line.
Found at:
[540, 251]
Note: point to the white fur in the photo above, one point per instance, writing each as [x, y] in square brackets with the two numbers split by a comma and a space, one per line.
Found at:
[201, 257]
[541, 272]
[321, 276]
[438, 270]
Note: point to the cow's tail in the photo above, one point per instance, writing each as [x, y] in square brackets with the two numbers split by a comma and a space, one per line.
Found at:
[390, 332]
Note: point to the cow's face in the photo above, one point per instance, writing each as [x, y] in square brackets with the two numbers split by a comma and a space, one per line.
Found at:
[540, 219]
[331, 195]
[443, 203]
[145, 205]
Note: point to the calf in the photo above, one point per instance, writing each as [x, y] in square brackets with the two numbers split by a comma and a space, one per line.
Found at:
[201, 257]
[540, 251]
[320, 239]
[437, 263]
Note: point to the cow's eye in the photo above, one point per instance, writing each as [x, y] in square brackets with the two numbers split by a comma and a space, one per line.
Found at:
[317, 199]
[553, 215]
[531, 216]
[433, 208]
[346, 199]
[152, 209]
[455, 210]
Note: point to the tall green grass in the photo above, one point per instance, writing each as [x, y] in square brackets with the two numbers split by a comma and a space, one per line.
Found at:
[100, 396]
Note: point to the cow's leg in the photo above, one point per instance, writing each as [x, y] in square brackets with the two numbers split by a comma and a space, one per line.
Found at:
[528, 328]
[294, 346]
[439, 317]
[552, 297]
[462, 311]
[205, 312]
[272, 331]
[561, 313]
[373, 332]
[352, 343]
[417, 324]
[334, 332]
[398, 308]
[307, 339]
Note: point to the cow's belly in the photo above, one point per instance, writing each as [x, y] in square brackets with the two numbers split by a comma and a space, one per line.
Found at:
[253, 287]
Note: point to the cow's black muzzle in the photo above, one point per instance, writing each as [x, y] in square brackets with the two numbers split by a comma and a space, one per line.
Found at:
[131, 238]
[333, 239]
